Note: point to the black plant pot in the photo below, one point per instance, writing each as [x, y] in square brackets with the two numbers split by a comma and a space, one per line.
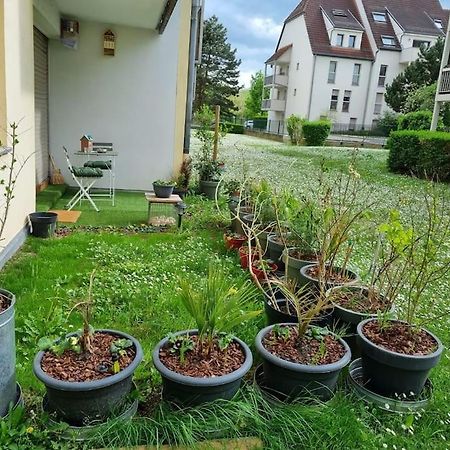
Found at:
[275, 250]
[191, 391]
[163, 191]
[306, 279]
[393, 374]
[209, 188]
[299, 380]
[79, 403]
[293, 266]
[43, 224]
[278, 316]
[182, 192]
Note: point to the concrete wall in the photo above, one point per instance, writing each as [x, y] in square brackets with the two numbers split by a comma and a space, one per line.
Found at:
[129, 99]
[17, 104]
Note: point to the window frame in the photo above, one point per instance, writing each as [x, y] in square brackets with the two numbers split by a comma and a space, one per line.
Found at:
[352, 39]
[334, 100]
[332, 75]
[376, 14]
[382, 76]
[346, 101]
[340, 40]
[420, 43]
[378, 106]
[439, 24]
[390, 38]
[356, 75]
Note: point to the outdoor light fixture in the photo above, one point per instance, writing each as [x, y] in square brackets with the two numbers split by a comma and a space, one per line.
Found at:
[70, 33]
[109, 43]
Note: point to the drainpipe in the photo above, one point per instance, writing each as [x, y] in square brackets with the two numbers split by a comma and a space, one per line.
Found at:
[194, 59]
[312, 87]
[366, 106]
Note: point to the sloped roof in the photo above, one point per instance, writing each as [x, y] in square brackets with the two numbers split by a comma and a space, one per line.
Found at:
[347, 21]
[380, 29]
[279, 53]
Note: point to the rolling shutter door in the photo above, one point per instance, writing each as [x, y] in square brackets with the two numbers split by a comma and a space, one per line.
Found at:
[41, 105]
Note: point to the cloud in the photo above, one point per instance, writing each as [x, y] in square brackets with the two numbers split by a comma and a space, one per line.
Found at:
[264, 27]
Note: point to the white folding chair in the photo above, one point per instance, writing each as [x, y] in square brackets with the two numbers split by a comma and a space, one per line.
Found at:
[85, 178]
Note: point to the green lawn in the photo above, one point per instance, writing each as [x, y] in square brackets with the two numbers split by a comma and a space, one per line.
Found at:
[135, 291]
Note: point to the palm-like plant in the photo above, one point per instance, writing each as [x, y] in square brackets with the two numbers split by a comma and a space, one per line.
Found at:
[217, 305]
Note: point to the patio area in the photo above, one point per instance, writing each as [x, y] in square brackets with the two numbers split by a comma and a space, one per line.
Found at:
[136, 291]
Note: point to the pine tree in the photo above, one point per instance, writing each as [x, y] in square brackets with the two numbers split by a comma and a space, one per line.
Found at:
[255, 95]
[218, 73]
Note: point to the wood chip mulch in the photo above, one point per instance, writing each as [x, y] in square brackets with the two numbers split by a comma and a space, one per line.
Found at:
[400, 338]
[332, 275]
[297, 254]
[74, 367]
[199, 365]
[5, 303]
[359, 301]
[305, 350]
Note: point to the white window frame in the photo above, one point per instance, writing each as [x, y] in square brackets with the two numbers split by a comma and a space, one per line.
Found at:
[388, 41]
[378, 106]
[438, 23]
[356, 74]
[382, 77]
[340, 40]
[346, 101]
[334, 101]
[353, 123]
[351, 38]
[332, 74]
[377, 15]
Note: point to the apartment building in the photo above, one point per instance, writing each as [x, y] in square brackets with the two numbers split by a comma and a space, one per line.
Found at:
[334, 58]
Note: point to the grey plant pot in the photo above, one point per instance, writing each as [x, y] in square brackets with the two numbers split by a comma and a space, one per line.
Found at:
[163, 191]
[275, 250]
[300, 380]
[191, 391]
[293, 266]
[8, 388]
[209, 188]
[306, 279]
[393, 374]
[79, 403]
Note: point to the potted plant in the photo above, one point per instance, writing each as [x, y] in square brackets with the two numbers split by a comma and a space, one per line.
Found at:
[87, 374]
[234, 240]
[398, 353]
[301, 360]
[184, 178]
[184, 359]
[247, 254]
[261, 270]
[163, 188]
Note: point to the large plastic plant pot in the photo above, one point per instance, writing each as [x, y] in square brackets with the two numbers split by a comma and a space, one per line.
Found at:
[191, 391]
[293, 266]
[275, 250]
[80, 403]
[8, 388]
[43, 224]
[209, 188]
[393, 374]
[163, 191]
[307, 279]
[299, 380]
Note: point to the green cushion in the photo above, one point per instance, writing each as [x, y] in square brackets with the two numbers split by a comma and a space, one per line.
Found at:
[104, 165]
[87, 172]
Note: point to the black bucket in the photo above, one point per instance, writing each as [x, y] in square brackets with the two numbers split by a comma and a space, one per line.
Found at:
[43, 224]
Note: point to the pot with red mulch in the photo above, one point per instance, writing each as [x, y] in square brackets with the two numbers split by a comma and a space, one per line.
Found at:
[81, 388]
[294, 259]
[201, 379]
[246, 255]
[262, 269]
[8, 387]
[301, 368]
[397, 360]
[234, 241]
[309, 275]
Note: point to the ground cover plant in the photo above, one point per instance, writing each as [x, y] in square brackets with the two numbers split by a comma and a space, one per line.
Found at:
[134, 292]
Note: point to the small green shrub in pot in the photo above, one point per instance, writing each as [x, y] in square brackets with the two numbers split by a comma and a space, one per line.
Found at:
[217, 305]
[316, 133]
[164, 188]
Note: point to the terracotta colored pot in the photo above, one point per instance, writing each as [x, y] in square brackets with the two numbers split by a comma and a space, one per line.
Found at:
[260, 275]
[233, 242]
[245, 257]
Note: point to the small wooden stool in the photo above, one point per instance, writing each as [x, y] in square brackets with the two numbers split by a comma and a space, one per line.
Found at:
[174, 200]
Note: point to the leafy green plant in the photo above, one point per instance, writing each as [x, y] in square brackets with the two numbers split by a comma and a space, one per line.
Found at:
[316, 133]
[181, 345]
[184, 178]
[165, 183]
[294, 126]
[217, 305]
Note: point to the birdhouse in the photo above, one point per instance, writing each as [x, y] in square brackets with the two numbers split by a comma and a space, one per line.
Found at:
[87, 142]
[109, 43]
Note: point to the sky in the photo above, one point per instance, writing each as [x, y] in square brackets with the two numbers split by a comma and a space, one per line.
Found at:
[254, 27]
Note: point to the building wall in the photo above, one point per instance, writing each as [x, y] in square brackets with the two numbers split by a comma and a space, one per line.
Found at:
[129, 99]
[17, 105]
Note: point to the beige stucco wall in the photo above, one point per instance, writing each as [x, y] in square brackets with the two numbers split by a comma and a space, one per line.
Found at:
[17, 82]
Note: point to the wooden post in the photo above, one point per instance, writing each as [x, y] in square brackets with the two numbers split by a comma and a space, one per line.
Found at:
[216, 133]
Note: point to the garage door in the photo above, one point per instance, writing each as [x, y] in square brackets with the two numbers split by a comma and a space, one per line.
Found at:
[41, 106]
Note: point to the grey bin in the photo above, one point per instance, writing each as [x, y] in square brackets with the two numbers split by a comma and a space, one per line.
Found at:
[8, 389]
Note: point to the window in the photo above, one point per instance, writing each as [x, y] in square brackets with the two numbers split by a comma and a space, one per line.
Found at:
[334, 100]
[438, 23]
[356, 74]
[339, 13]
[295, 92]
[382, 77]
[340, 40]
[379, 17]
[298, 66]
[378, 103]
[389, 41]
[346, 102]
[418, 44]
[375, 123]
[352, 124]
[352, 41]
[332, 72]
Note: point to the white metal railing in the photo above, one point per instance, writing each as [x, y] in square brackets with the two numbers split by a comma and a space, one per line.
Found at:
[444, 88]
[277, 79]
[273, 105]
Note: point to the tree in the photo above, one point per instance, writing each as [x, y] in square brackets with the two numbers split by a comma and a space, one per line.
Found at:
[422, 72]
[218, 73]
[255, 96]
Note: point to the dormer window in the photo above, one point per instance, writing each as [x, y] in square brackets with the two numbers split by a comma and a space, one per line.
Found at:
[340, 40]
[352, 41]
[388, 41]
[339, 13]
[438, 23]
[379, 17]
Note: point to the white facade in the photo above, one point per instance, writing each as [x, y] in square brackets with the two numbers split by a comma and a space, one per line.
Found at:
[345, 88]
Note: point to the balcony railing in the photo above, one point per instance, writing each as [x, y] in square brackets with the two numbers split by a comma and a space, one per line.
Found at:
[276, 80]
[273, 105]
[444, 88]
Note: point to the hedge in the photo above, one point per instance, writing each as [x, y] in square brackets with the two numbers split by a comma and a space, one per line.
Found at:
[424, 154]
[419, 120]
[234, 128]
[316, 133]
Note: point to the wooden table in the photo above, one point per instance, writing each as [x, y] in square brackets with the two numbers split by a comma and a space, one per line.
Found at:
[174, 200]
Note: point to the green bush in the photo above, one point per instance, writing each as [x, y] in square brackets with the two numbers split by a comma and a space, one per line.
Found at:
[234, 128]
[388, 123]
[316, 133]
[419, 120]
[421, 153]
[294, 129]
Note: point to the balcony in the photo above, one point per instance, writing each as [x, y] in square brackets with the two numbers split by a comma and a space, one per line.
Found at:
[409, 55]
[444, 87]
[273, 105]
[276, 80]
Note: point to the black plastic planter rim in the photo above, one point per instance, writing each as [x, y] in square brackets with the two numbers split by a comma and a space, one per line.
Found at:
[12, 299]
[297, 367]
[84, 386]
[350, 311]
[304, 270]
[198, 382]
[361, 335]
[43, 217]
